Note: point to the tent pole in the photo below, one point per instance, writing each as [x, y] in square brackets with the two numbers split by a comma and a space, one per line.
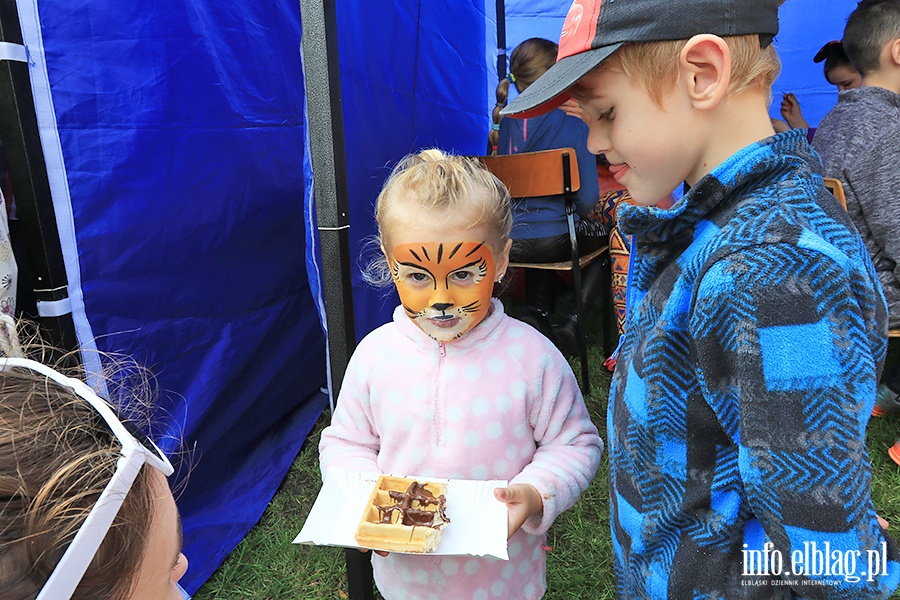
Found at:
[501, 39]
[34, 202]
[322, 77]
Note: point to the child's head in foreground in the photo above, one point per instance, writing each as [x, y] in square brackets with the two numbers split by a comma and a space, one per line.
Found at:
[872, 37]
[444, 223]
[671, 88]
[58, 454]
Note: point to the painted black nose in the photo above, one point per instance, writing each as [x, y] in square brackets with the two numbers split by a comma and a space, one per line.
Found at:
[441, 306]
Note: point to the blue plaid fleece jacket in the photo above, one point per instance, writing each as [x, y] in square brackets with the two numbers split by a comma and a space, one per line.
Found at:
[756, 331]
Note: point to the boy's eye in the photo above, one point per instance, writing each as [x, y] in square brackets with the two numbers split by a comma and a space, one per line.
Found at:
[606, 116]
[418, 277]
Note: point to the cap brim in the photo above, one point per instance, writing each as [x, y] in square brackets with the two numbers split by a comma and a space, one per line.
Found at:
[550, 89]
[825, 50]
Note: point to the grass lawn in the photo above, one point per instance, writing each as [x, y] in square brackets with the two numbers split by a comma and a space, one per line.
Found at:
[265, 565]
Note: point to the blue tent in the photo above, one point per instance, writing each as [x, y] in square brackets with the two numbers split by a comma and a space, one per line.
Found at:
[175, 139]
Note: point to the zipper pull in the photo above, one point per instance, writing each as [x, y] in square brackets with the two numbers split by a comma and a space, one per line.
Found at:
[441, 351]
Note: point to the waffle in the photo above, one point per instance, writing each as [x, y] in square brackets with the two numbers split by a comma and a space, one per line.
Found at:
[403, 515]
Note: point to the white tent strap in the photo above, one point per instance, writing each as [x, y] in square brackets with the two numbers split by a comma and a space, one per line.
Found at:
[10, 51]
[59, 186]
[54, 308]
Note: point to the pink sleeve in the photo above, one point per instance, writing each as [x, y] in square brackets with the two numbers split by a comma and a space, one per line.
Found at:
[568, 445]
[350, 442]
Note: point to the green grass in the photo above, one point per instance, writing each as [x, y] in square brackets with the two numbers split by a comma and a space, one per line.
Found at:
[265, 565]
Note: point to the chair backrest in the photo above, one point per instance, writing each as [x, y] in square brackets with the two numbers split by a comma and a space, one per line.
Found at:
[835, 187]
[535, 173]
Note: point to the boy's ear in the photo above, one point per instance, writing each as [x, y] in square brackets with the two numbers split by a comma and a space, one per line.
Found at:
[705, 64]
[894, 52]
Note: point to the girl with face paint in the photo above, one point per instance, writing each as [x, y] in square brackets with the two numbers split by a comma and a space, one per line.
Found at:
[454, 388]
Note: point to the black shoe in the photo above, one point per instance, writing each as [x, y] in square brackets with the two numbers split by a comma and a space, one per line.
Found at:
[566, 334]
[540, 320]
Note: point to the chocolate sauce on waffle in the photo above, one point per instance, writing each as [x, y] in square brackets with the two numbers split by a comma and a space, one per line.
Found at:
[414, 516]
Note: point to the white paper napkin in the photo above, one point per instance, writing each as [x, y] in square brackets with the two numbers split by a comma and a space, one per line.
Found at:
[478, 521]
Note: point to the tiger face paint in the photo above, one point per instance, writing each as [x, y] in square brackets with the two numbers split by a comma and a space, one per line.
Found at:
[445, 287]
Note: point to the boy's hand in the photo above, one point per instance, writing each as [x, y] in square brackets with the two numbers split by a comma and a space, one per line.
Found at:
[790, 110]
[378, 552]
[522, 500]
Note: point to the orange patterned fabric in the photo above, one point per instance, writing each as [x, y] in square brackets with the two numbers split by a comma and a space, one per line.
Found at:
[605, 212]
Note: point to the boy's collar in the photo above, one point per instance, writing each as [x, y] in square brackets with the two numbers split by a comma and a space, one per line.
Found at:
[654, 225]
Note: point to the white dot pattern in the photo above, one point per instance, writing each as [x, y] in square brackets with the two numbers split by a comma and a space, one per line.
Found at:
[464, 415]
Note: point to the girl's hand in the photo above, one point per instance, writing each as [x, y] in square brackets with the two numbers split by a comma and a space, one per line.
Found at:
[572, 108]
[790, 110]
[378, 552]
[780, 126]
[522, 500]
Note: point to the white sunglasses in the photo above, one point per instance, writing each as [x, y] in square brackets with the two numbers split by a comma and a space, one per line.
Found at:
[137, 449]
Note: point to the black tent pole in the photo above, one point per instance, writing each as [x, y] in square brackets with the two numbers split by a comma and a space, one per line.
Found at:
[501, 40]
[31, 187]
[322, 74]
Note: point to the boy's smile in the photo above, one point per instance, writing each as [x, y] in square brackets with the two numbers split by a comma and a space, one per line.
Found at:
[651, 149]
[618, 171]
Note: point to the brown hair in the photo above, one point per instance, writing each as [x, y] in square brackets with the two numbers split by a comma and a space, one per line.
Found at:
[56, 457]
[654, 65]
[528, 61]
[435, 187]
[871, 25]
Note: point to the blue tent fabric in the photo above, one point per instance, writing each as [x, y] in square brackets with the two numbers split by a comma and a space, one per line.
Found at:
[182, 129]
[412, 77]
[805, 26]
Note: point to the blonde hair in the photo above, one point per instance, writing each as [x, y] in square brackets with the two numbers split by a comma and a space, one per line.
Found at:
[56, 457]
[432, 188]
[654, 65]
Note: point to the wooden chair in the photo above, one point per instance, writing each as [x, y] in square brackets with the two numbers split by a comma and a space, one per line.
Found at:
[550, 173]
[835, 187]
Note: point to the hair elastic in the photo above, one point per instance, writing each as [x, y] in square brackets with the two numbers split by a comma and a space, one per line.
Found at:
[511, 77]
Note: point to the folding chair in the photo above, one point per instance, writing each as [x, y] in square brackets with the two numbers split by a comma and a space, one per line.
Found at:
[836, 187]
[550, 173]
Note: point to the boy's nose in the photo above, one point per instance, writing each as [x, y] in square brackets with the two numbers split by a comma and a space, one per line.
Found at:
[598, 139]
[441, 306]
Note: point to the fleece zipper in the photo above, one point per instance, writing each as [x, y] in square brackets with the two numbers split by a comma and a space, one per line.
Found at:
[438, 404]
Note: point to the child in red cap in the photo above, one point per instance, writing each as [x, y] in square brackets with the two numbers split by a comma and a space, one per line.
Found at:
[755, 320]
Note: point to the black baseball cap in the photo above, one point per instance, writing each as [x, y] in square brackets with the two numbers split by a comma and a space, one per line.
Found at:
[594, 29]
[832, 48]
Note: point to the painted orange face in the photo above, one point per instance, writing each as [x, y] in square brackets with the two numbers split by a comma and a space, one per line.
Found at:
[445, 287]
